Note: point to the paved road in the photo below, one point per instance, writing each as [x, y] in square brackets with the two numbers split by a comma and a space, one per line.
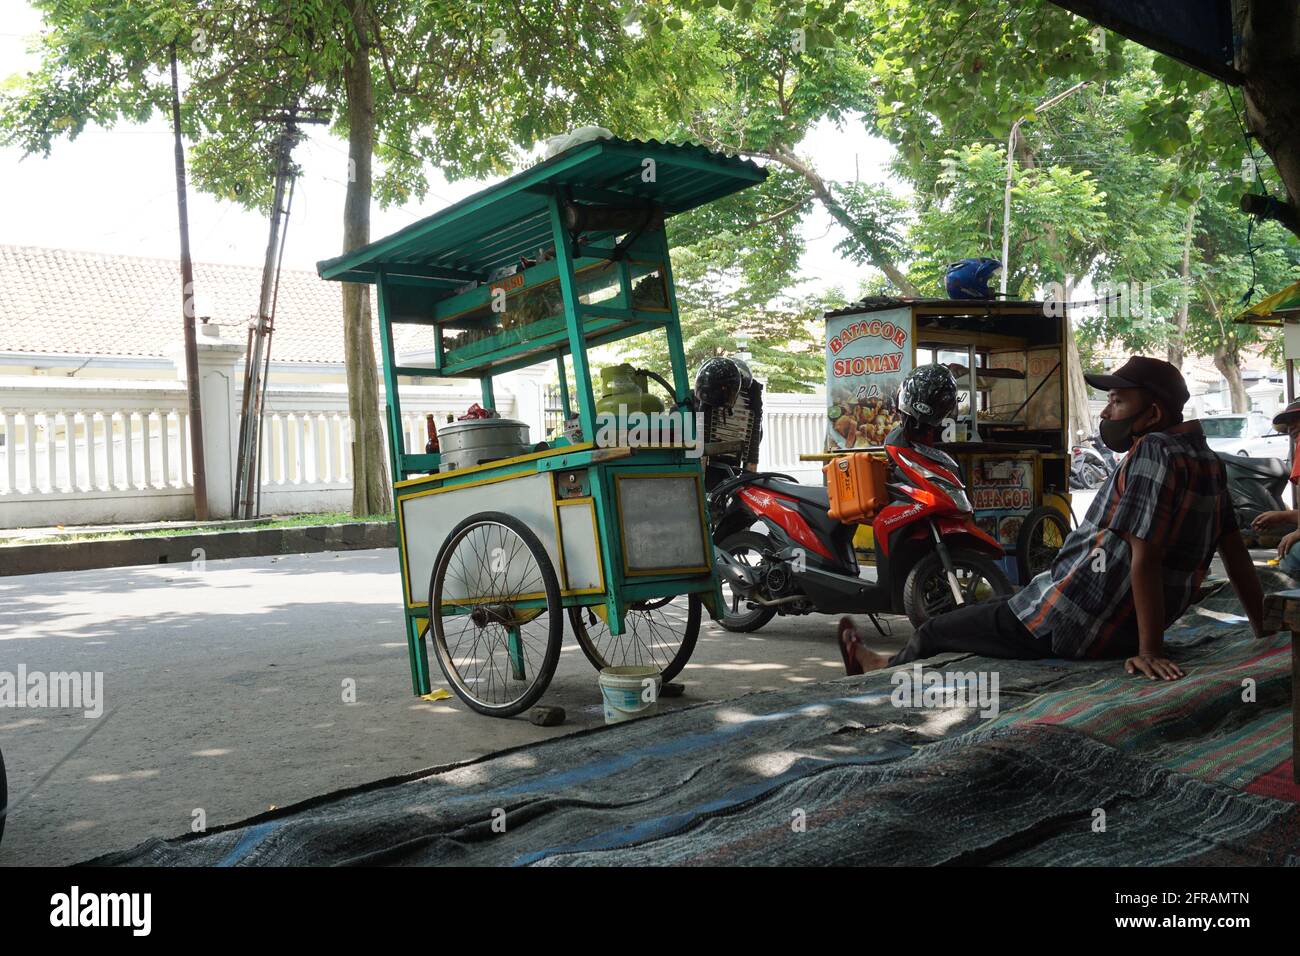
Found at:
[223, 693]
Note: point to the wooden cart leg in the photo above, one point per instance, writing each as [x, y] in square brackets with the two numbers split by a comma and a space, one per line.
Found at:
[615, 615]
[418, 651]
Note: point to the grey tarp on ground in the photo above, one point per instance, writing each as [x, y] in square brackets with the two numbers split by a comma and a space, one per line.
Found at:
[818, 774]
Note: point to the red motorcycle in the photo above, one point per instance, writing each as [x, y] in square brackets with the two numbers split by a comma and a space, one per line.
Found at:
[930, 556]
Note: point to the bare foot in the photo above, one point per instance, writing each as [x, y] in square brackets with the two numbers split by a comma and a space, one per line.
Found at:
[857, 659]
[870, 660]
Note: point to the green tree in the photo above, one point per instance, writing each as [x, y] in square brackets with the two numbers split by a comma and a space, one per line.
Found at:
[753, 79]
[462, 87]
[1226, 261]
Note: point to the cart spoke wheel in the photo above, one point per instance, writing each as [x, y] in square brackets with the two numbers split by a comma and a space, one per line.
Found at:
[1041, 536]
[495, 606]
[659, 633]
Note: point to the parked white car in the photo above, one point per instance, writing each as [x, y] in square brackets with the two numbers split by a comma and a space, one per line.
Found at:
[1249, 435]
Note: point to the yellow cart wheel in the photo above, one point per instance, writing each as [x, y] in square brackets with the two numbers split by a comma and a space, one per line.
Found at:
[1041, 535]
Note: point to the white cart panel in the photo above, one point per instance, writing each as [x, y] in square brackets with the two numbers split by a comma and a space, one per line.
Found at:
[428, 519]
[581, 557]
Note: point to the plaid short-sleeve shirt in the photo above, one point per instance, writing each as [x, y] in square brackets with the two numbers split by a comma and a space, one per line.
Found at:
[1171, 490]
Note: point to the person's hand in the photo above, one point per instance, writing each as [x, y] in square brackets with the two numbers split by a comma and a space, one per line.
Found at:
[1271, 519]
[1154, 666]
[1287, 543]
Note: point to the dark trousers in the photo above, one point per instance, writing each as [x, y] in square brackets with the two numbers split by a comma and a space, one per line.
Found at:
[989, 629]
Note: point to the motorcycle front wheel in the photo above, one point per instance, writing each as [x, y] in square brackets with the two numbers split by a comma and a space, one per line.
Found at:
[926, 593]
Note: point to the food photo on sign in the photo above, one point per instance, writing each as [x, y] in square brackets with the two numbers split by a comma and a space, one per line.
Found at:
[866, 360]
[1003, 495]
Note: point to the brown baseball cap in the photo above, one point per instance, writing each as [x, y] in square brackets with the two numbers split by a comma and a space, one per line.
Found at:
[1155, 375]
[1287, 416]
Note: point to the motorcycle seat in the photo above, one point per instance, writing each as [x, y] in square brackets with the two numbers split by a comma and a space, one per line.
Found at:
[1264, 467]
[812, 494]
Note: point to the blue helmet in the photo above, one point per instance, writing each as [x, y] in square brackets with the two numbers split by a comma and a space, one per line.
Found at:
[969, 278]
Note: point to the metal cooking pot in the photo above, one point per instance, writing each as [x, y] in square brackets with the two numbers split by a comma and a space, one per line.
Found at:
[469, 443]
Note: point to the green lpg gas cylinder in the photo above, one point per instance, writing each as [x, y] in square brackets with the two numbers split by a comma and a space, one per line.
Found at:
[619, 388]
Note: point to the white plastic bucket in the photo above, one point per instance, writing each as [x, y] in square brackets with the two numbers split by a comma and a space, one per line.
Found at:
[629, 692]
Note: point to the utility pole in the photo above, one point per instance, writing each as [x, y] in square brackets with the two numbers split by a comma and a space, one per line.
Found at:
[259, 335]
[1006, 196]
[187, 299]
[257, 358]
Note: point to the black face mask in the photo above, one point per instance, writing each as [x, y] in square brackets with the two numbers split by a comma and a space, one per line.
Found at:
[1118, 435]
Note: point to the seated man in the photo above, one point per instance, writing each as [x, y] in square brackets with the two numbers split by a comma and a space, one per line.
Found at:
[1132, 566]
[1288, 549]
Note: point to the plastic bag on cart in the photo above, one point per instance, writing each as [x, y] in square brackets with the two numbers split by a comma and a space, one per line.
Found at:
[583, 134]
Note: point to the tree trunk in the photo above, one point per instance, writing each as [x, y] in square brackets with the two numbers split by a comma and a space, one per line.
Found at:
[1227, 359]
[1178, 337]
[1081, 424]
[841, 215]
[370, 483]
[1270, 62]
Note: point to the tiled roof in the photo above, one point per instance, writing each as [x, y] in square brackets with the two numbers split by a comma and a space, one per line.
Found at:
[88, 303]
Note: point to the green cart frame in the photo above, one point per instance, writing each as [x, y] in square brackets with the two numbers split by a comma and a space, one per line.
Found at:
[602, 534]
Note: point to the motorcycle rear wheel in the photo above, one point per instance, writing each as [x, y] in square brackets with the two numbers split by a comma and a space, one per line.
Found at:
[926, 593]
[746, 547]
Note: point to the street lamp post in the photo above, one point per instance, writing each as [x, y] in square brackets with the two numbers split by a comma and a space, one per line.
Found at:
[1006, 195]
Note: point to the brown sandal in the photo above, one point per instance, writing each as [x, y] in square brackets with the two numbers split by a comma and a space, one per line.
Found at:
[847, 648]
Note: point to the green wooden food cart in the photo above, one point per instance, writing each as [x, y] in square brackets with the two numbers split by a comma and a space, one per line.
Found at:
[607, 534]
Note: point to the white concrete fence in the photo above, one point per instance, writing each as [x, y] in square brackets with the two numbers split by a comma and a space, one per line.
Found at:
[793, 425]
[84, 451]
[80, 452]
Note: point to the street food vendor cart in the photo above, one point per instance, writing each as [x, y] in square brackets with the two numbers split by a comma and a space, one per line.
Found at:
[498, 552]
[1010, 434]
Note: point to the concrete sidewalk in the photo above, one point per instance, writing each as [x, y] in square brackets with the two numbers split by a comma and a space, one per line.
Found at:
[64, 552]
[223, 693]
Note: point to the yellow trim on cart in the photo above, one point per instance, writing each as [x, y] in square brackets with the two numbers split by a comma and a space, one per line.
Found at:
[492, 599]
[590, 502]
[502, 462]
[559, 534]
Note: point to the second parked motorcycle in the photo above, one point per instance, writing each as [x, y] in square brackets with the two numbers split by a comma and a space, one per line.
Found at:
[1091, 463]
[780, 551]
[1255, 486]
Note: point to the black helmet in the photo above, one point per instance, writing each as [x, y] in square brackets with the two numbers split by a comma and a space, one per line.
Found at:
[717, 383]
[746, 376]
[928, 394]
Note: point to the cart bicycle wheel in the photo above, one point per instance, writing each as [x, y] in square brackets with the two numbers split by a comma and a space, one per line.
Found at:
[1041, 537]
[494, 604]
[660, 633]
